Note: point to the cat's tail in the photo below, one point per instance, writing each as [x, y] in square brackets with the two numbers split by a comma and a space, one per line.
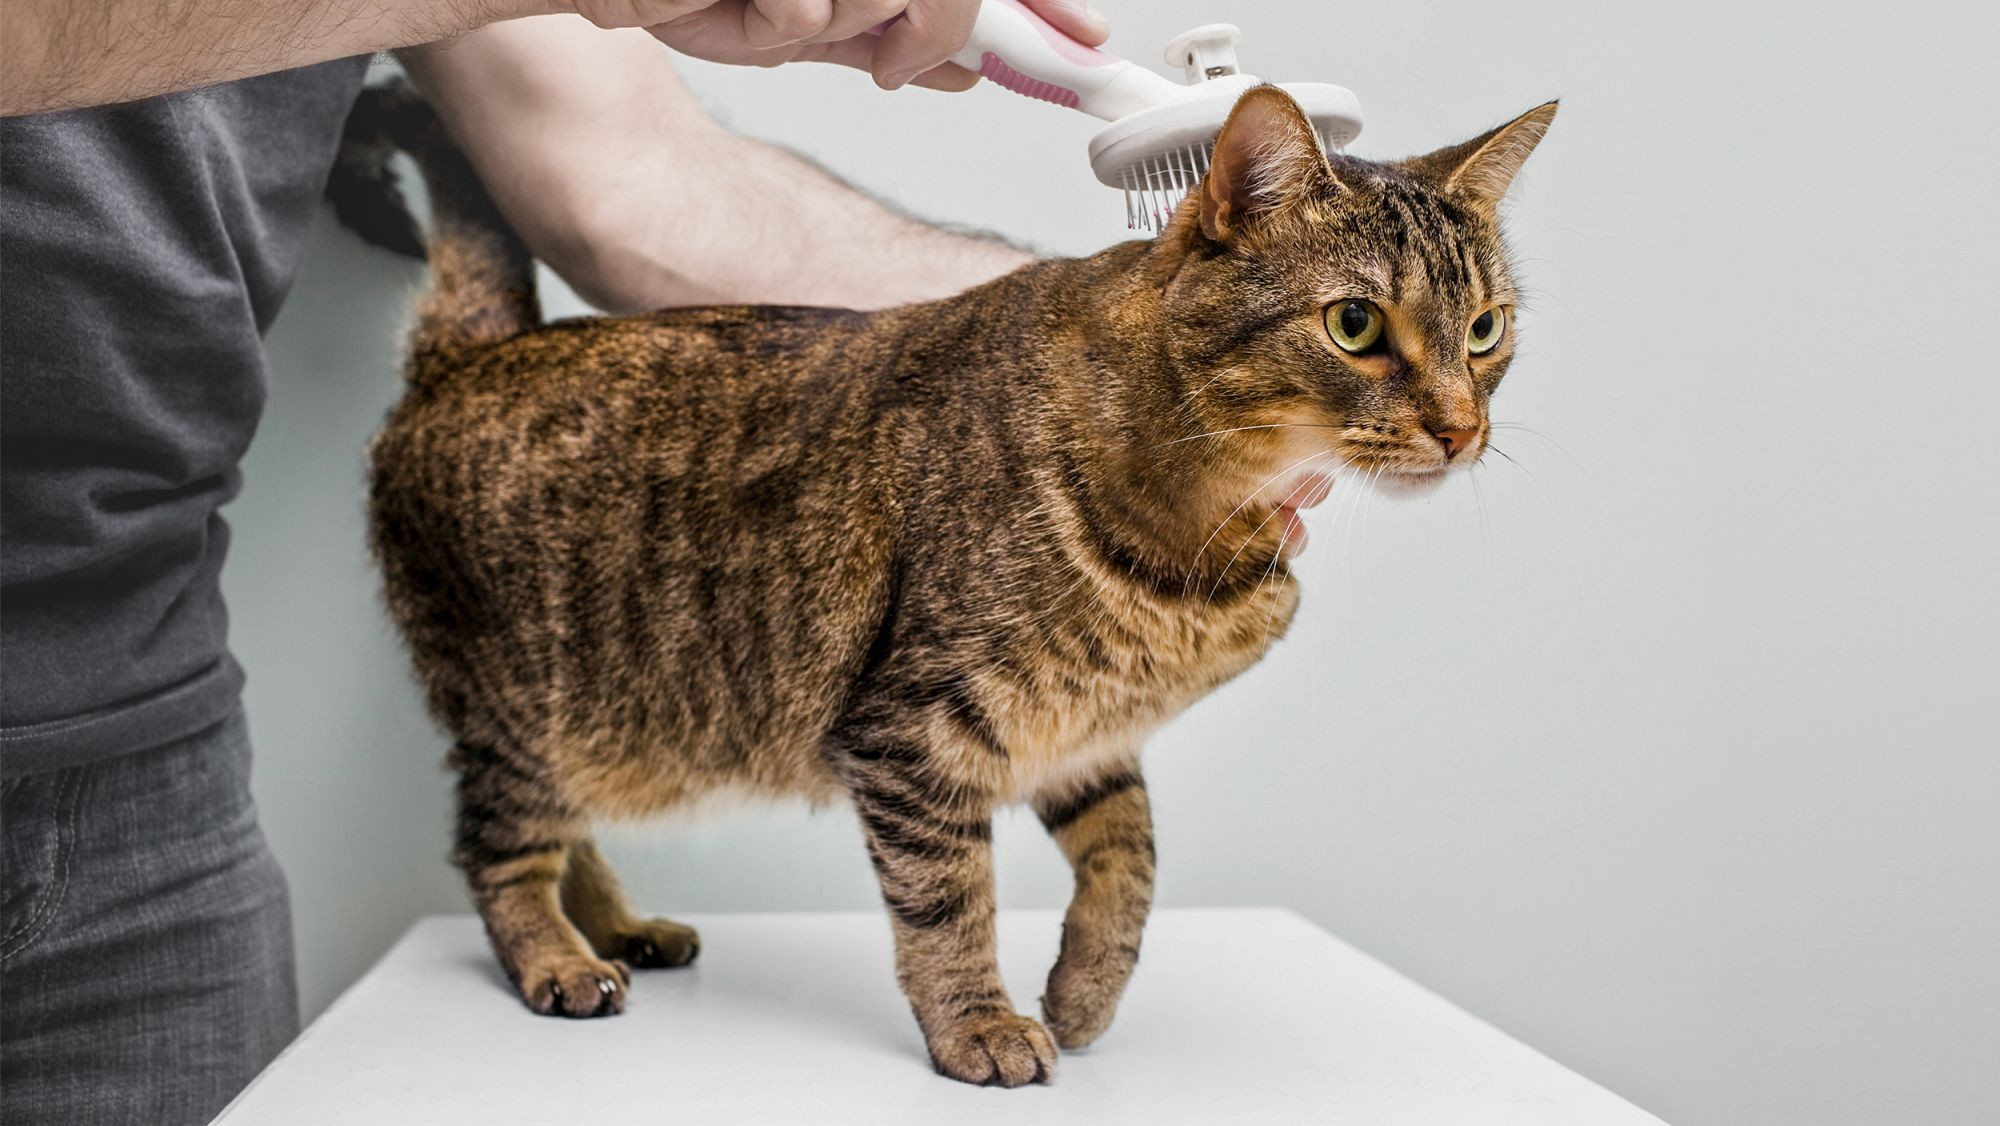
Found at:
[482, 288]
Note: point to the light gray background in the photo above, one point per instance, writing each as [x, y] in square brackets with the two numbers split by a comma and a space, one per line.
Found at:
[1668, 751]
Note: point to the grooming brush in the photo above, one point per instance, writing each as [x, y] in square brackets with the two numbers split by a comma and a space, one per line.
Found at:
[1162, 132]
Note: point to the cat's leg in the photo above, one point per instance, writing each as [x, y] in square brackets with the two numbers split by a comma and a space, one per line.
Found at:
[513, 844]
[593, 901]
[1105, 828]
[930, 838]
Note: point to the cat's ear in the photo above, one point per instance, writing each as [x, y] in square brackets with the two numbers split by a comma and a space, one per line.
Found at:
[1479, 171]
[1266, 158]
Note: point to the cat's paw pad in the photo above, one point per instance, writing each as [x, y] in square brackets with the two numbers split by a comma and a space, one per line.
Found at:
[1082, 998]
[572, 985]
[1002, 1050]
[659, 944]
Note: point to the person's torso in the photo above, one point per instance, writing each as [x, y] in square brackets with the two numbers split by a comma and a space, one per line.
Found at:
[144, 250]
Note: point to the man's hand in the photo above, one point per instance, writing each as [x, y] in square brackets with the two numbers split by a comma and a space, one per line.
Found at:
[66, 54]
[914, 48]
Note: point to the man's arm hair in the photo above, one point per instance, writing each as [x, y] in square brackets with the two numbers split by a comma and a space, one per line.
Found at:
[603, 161]
[67, 54]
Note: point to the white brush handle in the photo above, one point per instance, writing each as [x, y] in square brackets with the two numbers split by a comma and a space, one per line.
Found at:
[1017, 49]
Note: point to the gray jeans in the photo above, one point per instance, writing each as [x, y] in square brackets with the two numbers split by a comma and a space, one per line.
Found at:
[146, 941]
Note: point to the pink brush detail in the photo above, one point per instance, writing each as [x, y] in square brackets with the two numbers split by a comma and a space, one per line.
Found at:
[1065, 46]
[1001, 74]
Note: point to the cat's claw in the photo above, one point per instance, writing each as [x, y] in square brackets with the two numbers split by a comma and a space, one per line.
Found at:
[576, 986]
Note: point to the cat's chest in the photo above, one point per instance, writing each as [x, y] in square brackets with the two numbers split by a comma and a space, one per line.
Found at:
[1092, 681]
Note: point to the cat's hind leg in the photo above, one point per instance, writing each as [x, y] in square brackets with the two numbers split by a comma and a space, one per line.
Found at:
[593, 901]
[513, 842]
[1105, 828]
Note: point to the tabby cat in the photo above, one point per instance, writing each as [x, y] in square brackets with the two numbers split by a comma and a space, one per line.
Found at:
[930, 560]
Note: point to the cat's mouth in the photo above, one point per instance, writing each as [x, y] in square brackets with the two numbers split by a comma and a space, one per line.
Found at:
[1399, 473]
[1309, 488]
[1409, 481]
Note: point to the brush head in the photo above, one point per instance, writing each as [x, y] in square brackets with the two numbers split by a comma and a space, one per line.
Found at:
[1158, 154]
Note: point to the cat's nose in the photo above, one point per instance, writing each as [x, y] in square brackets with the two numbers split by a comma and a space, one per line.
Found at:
[1455, 441]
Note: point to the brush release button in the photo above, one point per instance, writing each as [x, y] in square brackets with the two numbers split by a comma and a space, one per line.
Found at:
[1205, 52]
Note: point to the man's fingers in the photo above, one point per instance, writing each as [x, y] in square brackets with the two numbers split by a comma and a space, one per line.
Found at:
[852, 17]
[915, 47]
[1074, 18]
[859, 53]
[716, 33]
[774, 23]
[930, 32]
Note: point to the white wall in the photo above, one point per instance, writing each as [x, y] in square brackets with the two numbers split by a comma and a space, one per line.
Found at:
[1668, 751]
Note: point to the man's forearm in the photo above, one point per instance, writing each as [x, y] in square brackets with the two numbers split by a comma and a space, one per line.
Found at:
[65, 54]
[610, 170]
[757, 224]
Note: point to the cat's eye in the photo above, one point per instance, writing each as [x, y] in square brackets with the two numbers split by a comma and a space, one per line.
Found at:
[1354, 325]
[1486, 330]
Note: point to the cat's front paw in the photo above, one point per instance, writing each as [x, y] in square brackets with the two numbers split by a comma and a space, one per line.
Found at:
[1082, 998]
[1003, 1050]
[574, 985]
[658, 944]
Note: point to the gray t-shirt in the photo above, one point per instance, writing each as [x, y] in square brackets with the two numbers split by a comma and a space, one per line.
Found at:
[144, 250]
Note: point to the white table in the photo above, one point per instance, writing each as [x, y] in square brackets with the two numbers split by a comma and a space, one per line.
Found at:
[1234, 1016]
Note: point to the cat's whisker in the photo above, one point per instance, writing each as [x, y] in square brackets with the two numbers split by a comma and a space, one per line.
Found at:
[1271, 619]
[1189, 397]
[1562, 515]
[1195, 563]
[1363, 486]
[1324, 565]
[1342, 484]
[1241, 429]
[1270, 569]
[1547, 497]
[1485, 536]
[1223, 572]
[1277, 557]
[1537, 435]
[1354, 516]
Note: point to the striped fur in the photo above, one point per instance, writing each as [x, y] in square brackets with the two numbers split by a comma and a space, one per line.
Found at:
[929, 561]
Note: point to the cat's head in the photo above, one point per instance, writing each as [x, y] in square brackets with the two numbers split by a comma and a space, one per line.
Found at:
[1340, 312]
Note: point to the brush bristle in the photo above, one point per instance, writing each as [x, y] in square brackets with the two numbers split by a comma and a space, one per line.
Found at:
[1155, 187]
